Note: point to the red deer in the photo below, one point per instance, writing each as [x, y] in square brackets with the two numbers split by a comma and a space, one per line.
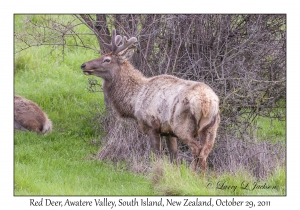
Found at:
[29, 116]
[163, 105]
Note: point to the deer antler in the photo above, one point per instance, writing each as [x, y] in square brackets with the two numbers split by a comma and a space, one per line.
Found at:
[116, 39]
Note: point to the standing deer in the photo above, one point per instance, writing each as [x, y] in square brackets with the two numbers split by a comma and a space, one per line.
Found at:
[163, 105]
[29, 116]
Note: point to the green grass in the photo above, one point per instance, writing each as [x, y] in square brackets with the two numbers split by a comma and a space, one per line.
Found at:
[61, 165]
[180, 180]
[271, 129]
[63, 162]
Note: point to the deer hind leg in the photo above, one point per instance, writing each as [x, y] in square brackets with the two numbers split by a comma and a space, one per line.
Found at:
[207, 136]
[186, 130]
[172, 147]
[195, 147]
[35, 125]
[193, 144]
[31, 125]
[18, 126]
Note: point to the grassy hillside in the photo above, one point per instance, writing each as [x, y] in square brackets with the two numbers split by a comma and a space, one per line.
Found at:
[63, 162]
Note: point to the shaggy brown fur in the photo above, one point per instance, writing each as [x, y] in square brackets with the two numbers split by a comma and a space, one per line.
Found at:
[162, 105]
[29, 116]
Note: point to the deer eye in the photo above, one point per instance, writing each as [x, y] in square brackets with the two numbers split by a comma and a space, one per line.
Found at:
[106, 60]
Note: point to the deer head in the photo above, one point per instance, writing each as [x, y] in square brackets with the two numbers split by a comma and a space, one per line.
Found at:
[108, 64]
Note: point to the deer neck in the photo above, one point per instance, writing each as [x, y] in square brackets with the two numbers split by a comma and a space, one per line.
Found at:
[122, 91]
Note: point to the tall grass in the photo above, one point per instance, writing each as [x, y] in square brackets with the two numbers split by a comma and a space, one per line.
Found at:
[168, 179]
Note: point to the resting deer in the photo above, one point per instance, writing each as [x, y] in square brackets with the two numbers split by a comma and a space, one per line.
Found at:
[29, 116]
[163, 105]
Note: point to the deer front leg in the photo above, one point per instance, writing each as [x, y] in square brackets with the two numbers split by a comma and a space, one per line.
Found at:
[155, 141]
[172, 147]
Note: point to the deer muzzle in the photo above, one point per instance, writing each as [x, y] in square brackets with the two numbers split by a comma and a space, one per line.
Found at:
[83, 65]
[85, 71]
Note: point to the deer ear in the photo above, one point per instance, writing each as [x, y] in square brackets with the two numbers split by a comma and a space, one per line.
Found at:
[126, 54]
